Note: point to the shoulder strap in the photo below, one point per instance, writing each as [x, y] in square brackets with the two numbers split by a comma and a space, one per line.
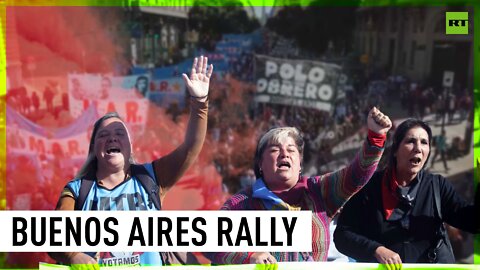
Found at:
[442, 231]
[148, 183]
[85, 186]
[139, 171]
[436, 194]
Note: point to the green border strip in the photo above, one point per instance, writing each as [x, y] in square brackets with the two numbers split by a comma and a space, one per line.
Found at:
[3, 116]
[476, 117]
[259, 3]
[296, 266]
[377, 3]
[3, 126]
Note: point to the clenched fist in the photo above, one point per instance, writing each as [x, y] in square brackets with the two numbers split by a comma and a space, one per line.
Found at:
[378, 122]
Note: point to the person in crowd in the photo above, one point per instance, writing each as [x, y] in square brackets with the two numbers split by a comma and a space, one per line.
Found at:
[398, 216]
[110, 162]
[105, 87]
[280, 185]
[141, 85]
[35, 101]
[441, 148]
[48, 96]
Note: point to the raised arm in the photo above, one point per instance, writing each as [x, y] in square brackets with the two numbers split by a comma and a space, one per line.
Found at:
[171, 167]
[337, 187]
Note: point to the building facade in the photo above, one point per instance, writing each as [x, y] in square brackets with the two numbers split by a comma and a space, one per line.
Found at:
[412, 42]
[159, 36]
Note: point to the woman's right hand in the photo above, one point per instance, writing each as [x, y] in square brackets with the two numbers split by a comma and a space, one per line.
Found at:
[390, 259]
[82, 261]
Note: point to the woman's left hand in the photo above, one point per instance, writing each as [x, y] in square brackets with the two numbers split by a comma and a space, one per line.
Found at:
[262, 258]
[199, 81]
[378, 122]
[388, 258]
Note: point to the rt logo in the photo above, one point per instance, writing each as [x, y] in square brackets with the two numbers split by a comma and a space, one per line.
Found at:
[456, 23]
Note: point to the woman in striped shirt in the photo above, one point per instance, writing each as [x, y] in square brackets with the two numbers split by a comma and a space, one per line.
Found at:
[281, 186]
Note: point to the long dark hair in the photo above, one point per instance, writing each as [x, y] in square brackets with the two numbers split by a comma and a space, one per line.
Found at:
[400, 133]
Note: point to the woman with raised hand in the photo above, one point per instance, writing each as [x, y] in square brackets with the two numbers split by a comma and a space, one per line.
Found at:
[113, 181]
[404, 207]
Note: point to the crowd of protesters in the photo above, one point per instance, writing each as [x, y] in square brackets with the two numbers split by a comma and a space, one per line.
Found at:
[236, 121]
[235, 124]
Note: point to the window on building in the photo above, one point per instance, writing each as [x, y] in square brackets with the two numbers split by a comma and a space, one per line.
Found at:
[421, 19]
[379, 47]
[381, 22]
[402, 60]
[440, 25]
[173, 36]
[364, 44]
[393, 20]
[164, 37]
[413, 51]
[414, 22]
[370, 46]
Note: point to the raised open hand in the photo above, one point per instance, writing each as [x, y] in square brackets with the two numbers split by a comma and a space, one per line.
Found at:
[199, 80]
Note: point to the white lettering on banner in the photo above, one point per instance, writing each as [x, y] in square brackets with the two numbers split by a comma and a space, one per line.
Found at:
[124, 259]
[31, 143]
[325, 92]
[299, 90]
[306, 83]
[289, 72]
[171, 85]
[132, 111]
[316, 75]
[273, 87]
[262, 85]
[270, 68]
[141, 231]
[286, 88]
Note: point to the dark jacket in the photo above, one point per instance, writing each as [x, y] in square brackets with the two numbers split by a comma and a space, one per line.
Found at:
[362, 227]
